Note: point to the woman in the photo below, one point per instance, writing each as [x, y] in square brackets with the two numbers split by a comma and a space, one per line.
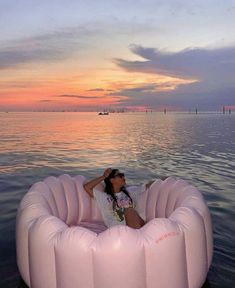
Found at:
[117, 204]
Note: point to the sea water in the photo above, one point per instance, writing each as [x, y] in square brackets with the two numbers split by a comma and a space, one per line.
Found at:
[198, 148]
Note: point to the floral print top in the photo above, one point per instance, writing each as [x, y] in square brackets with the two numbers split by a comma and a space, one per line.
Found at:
[113, 212]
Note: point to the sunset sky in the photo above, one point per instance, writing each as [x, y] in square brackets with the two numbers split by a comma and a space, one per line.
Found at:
[108, 54]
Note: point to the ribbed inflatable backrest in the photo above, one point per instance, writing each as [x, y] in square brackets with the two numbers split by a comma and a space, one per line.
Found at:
[178, 192]
[161, 199]
[56, 190]
[151, 197]
[87, 208]
[71, 197]
[68, 200]
[40, 195]
[164, 197]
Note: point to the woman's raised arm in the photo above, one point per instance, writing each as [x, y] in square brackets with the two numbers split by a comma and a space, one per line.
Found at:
[92, 183]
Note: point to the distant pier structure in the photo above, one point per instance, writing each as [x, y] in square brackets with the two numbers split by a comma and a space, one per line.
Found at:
[192, 110]
[224, 110]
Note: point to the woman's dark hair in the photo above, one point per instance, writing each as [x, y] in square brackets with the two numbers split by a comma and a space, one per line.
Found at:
[109, 187]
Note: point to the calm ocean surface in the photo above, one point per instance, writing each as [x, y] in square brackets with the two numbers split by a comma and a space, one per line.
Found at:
[198, 148]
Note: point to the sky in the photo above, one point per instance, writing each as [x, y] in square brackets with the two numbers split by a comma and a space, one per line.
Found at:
[112, 54]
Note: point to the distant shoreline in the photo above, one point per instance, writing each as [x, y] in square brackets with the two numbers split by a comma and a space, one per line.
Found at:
[129, 112]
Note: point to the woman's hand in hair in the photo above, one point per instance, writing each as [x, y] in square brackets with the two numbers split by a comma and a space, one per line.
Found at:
[88, 186]
[107, 172]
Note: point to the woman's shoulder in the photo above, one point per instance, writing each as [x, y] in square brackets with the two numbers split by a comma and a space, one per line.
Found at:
[101, 196]
[136, 189]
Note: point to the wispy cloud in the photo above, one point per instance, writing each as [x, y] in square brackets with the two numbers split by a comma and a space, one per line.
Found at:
[107, 99]
[96, 90]
[20, 84]
[65, 43]
[48, 47]
[80, 96]
[145, 88]
[45, 100]
[15, 56]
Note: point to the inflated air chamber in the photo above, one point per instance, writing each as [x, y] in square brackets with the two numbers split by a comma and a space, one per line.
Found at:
[62, 241]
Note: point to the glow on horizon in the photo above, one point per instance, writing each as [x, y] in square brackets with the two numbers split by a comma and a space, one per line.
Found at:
[92, 89]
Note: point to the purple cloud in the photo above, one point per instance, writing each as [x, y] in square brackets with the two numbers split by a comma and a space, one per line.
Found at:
[214, 70]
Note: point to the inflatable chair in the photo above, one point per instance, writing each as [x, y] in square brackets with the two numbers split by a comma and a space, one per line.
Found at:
[62, 241]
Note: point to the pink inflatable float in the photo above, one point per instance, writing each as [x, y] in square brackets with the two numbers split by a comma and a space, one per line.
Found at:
[62, 241]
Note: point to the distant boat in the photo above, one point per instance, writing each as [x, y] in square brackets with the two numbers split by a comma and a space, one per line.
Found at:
[103, 113]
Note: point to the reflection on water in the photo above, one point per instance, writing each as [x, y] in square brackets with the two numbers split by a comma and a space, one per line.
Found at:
[72, 135]
[198, 148]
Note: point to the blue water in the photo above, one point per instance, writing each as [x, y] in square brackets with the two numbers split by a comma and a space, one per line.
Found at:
[198, 148]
